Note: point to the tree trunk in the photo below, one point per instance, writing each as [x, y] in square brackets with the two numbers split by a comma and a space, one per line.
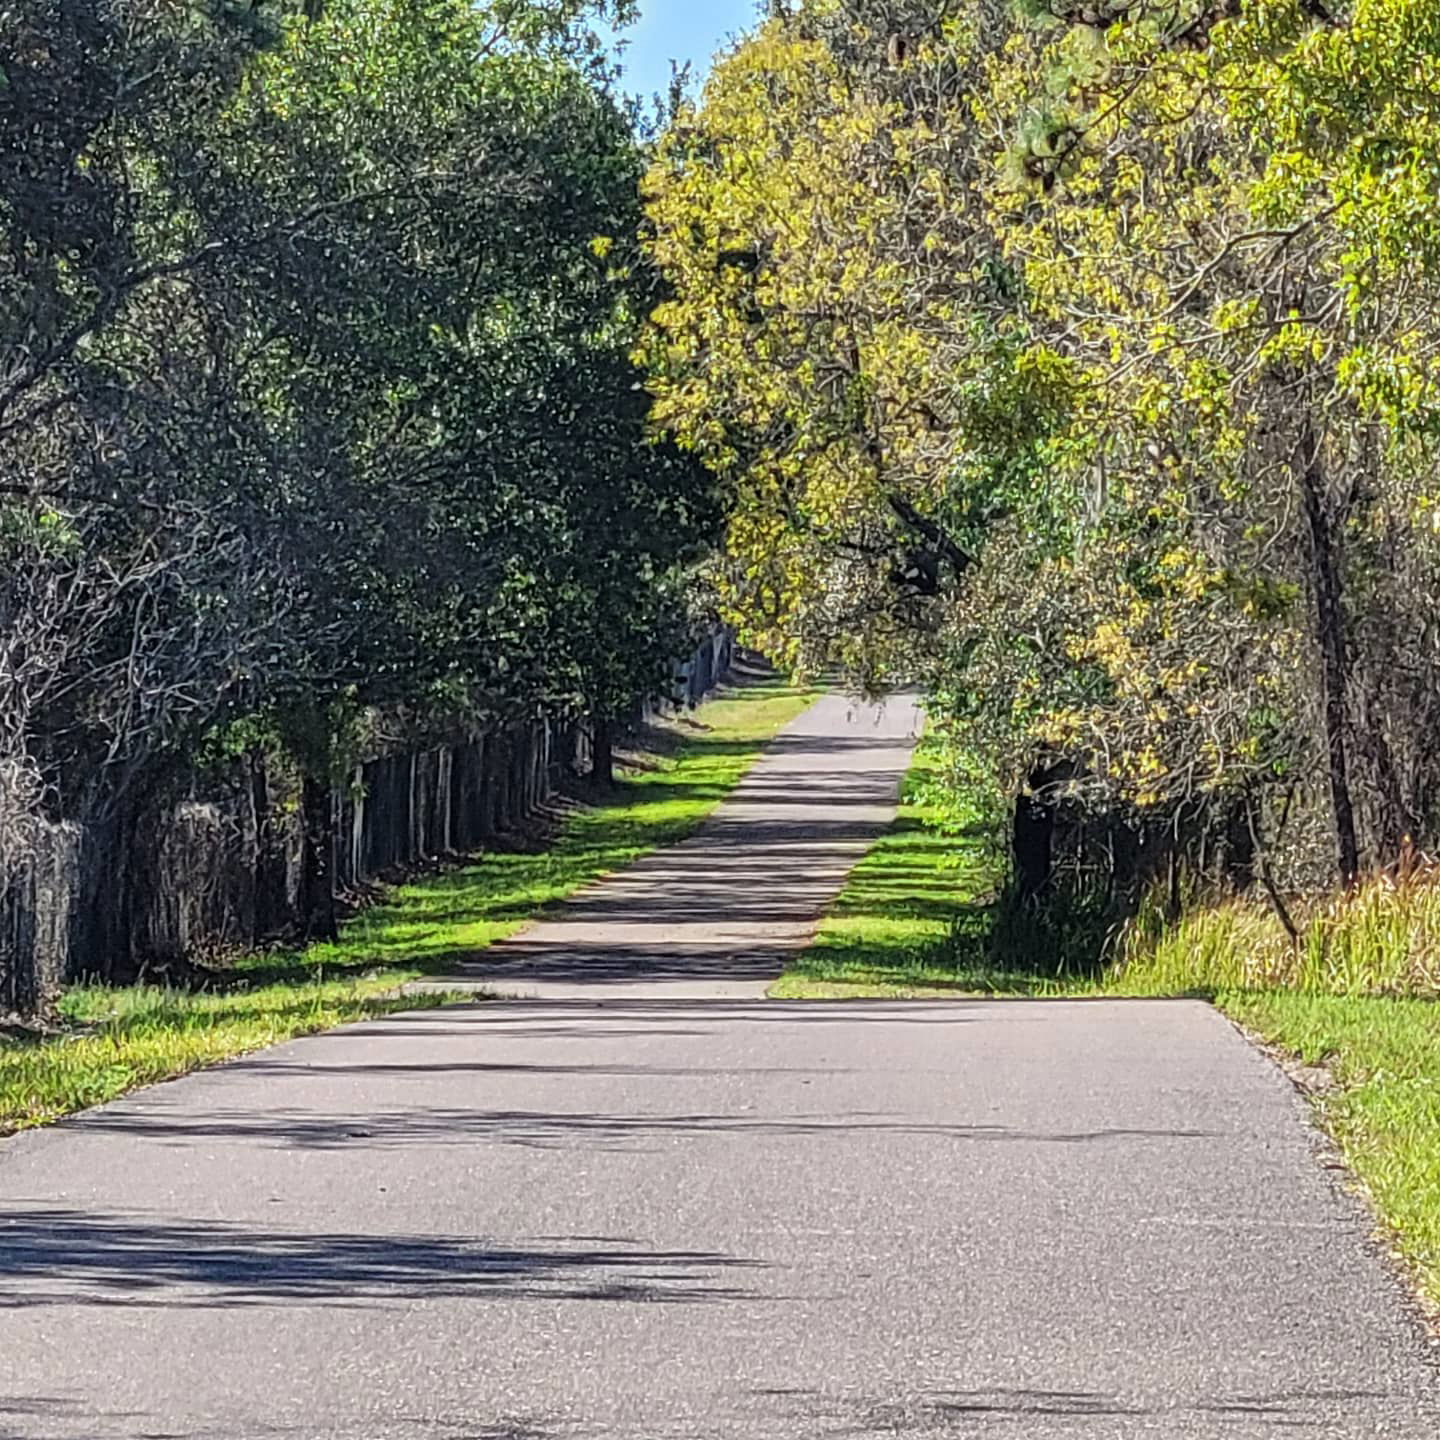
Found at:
[1032, 836]
[489, 790]
[271, 897]
[1267, 877]
[1126, 859]
[1392, 819]
[1330, 633]
[503, 755]
[602, 752]
[515, 776]
[116, 957]
[1239, 849]
[317, 885]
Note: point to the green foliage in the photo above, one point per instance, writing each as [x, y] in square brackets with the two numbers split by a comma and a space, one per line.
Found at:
[316, 403]
[1083, 369]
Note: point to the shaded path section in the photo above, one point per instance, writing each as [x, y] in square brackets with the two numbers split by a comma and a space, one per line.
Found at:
[714, 1220]
[716, 915]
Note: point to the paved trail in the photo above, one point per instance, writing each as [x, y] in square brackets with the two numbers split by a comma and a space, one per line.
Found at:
[634, 1214]
[714, 916]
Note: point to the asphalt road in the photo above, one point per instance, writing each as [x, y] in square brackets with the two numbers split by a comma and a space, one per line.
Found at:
[649, 1216]
[714, 916]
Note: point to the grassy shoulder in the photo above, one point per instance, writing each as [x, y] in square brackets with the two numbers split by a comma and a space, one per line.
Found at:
[116, 1038]
[911, 918]
[119, 1037]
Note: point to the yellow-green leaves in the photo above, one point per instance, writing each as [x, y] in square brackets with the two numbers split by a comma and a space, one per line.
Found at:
[1070, 301]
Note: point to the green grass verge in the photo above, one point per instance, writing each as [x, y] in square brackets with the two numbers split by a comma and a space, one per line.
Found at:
[121, 1037]
[910, 919]
[124, 1036]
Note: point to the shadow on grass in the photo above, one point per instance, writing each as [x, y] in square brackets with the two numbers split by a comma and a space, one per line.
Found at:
[965, 957]
[920, 912]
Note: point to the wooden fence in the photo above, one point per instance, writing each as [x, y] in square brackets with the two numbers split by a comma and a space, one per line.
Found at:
[222, 870]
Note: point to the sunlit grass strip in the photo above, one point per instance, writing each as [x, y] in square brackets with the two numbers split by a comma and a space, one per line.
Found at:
[906, 921]
[136, 1035]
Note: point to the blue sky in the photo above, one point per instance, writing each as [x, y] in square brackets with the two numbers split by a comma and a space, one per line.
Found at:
[679, 30]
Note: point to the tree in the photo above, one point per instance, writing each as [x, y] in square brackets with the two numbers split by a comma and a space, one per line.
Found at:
[316, 399]
[1055, 362]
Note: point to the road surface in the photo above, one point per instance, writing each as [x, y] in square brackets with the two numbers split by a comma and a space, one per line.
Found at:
[715, 916]
[631, 1213]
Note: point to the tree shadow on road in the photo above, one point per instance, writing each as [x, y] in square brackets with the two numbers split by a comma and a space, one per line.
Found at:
[944, 1412]
[427, 1126]
[62, 1257]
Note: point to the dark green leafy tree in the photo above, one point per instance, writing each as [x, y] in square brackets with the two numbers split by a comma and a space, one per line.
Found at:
[315, 389]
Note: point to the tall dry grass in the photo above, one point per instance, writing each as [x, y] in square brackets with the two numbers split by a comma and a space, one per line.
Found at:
[1381, 939]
